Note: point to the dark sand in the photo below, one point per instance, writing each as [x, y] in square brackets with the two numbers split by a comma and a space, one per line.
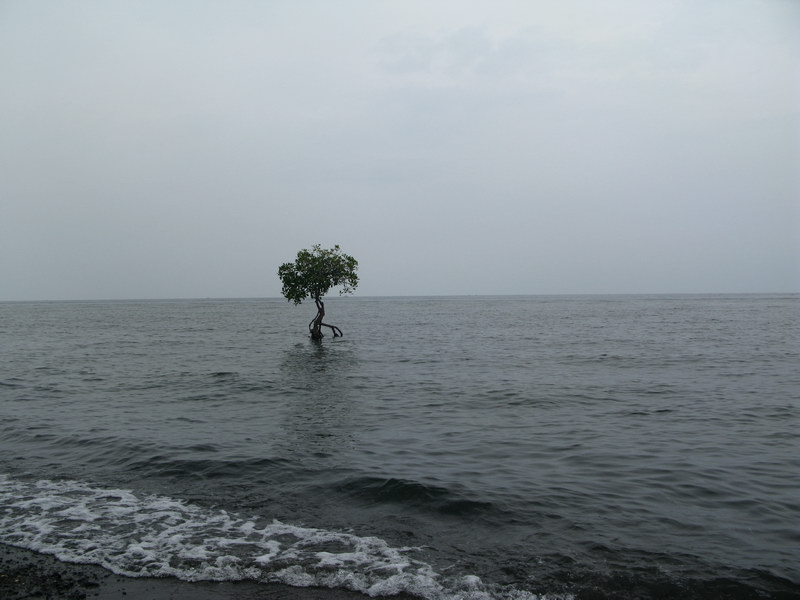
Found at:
[32, 576]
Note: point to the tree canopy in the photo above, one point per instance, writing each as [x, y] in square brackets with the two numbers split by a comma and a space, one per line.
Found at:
[311, 276]
[316, 271]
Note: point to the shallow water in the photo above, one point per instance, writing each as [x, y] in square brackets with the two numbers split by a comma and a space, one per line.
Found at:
[645, 445]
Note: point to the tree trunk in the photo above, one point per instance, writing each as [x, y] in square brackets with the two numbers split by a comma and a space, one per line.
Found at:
[316, 325]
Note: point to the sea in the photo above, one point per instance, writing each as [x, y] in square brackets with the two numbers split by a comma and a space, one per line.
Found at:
[474, 447]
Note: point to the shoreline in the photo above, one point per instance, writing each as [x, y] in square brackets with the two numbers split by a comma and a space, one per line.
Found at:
[29, 575]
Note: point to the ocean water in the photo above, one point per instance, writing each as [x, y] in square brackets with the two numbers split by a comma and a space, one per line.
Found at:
[450, 447]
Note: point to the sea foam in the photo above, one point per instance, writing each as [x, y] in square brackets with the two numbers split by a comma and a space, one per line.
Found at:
[140, 535]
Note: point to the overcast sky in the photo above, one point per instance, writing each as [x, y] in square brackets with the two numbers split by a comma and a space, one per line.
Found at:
[175, 149]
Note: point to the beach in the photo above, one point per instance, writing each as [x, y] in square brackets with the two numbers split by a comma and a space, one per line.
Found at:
[27, 575]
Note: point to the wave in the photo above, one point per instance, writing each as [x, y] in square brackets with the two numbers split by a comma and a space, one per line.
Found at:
[140, 535]
[375, 490]
[149, 459]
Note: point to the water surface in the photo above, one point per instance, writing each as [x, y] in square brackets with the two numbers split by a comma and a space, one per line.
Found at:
[500, 446]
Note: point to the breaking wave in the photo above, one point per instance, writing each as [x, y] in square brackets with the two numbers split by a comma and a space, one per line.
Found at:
[140, 535]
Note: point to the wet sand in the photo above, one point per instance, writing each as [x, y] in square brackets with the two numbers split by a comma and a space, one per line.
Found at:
[31, 576]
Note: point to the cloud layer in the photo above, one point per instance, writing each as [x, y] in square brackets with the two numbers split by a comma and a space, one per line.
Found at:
[186, 149]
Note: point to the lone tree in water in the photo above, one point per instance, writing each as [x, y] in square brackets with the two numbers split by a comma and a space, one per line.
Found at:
[311, 276]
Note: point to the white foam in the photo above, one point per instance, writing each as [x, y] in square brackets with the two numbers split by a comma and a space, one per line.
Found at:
[145, 535]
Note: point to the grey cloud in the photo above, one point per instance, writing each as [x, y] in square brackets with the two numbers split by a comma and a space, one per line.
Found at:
[458, 53]
[175, 149]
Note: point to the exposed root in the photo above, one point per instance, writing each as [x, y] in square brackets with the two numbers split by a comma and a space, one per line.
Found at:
[316, 324]
[336, 331]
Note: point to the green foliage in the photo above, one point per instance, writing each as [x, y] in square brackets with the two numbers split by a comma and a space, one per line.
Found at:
[316, 271]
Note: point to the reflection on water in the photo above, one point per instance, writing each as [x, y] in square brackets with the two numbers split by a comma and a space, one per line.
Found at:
[304, 359]
[319, 421]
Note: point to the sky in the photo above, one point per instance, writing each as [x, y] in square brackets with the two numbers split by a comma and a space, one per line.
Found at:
[185, 149]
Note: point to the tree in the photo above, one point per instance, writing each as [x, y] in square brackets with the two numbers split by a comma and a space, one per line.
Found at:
[311, 276]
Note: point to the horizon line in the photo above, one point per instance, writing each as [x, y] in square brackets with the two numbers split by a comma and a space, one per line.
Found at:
[334, 296]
